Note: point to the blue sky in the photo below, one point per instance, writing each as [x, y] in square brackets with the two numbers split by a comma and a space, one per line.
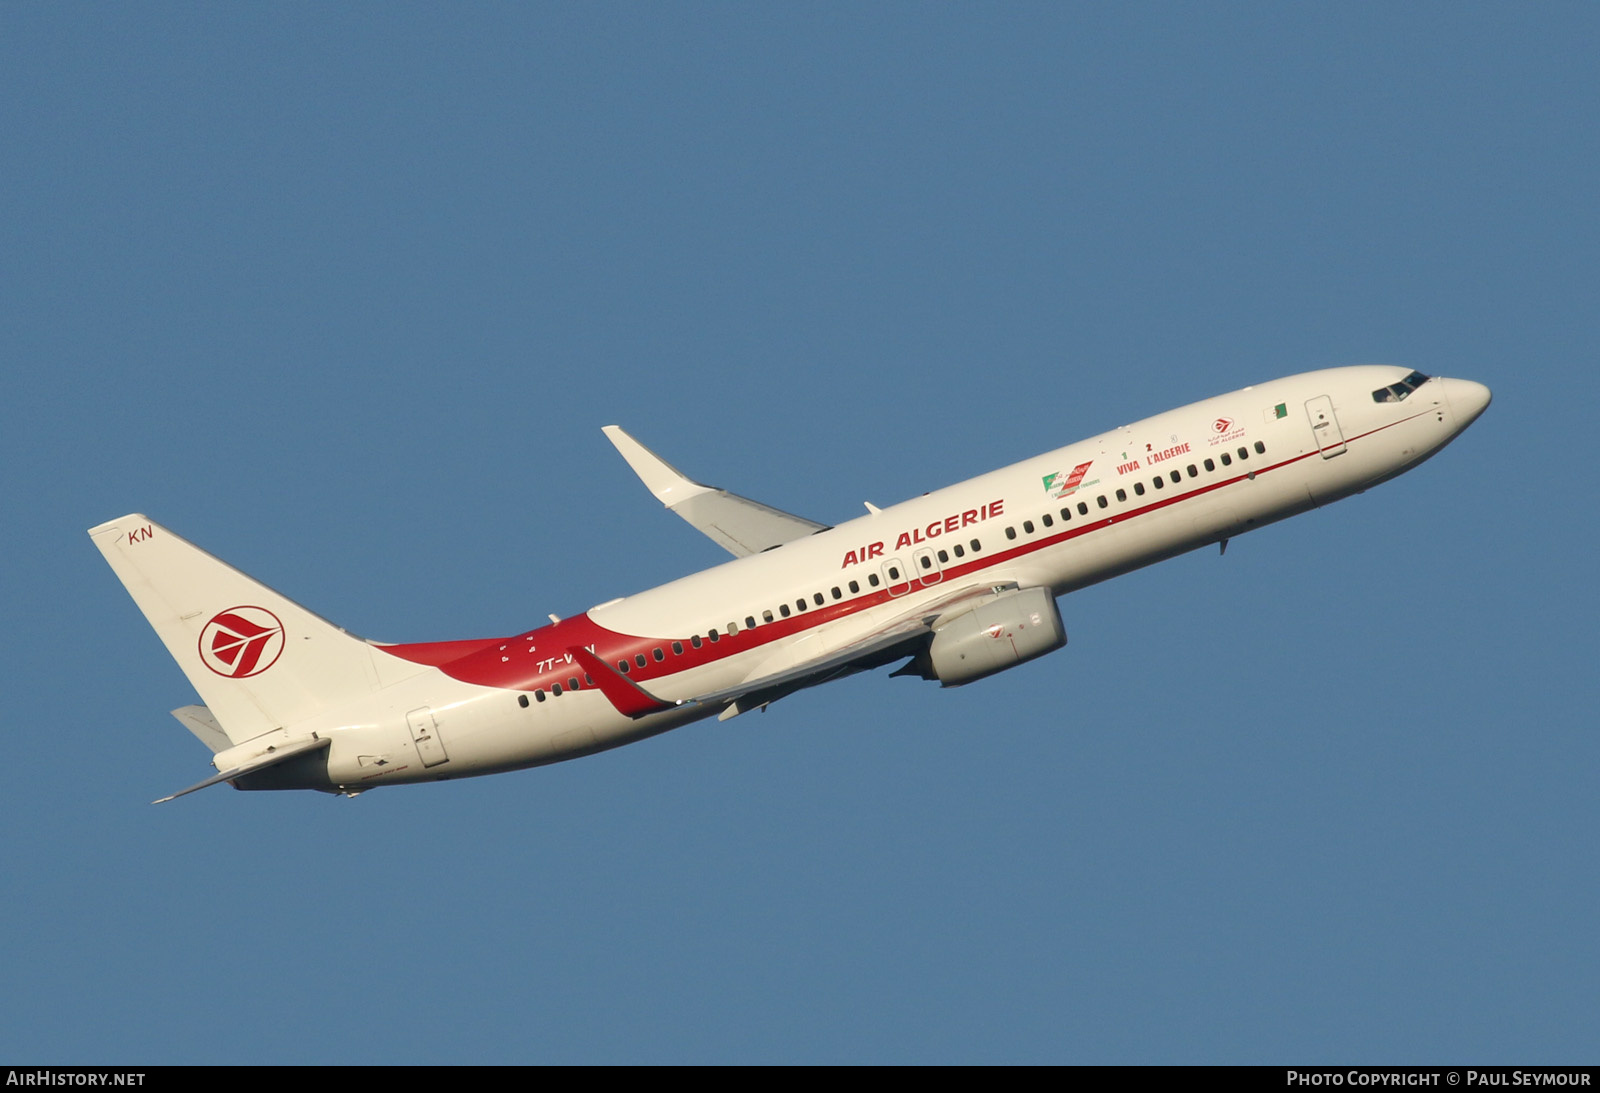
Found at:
[344, 295]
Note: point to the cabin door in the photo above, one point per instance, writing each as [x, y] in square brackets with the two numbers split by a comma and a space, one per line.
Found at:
[1325, 426]
[425, 734]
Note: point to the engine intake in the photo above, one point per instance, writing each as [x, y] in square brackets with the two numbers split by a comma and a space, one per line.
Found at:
[1000, 633]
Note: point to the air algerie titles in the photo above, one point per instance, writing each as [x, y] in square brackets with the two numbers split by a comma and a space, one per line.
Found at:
[951, 524]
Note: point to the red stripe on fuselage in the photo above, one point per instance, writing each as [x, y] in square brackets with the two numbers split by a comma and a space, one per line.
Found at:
[521, 663]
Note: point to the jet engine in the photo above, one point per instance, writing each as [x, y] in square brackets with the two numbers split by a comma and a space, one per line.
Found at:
[1013, 626]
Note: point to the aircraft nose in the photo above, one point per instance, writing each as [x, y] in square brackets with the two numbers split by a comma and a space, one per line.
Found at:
[1467, 400]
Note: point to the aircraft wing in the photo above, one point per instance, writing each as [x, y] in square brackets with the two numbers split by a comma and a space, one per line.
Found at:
[893, 639]
[737, 524]
[901, 639]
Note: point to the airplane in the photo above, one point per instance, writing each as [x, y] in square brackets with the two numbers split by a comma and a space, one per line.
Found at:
[958, 584]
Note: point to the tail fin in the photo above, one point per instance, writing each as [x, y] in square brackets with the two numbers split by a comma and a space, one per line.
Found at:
[259, 660]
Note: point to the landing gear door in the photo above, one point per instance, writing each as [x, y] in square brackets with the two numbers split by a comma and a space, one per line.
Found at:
[425, 734]
[1325, 426]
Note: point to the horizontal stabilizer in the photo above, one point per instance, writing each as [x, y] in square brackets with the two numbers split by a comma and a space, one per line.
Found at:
[271, 759]
[198, 720]
[737, 524]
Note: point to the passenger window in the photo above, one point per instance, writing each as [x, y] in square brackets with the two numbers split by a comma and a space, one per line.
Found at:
[1138, 488]
[749, 622]
[733, 628]
[638, 659]
[766, 615]
[522, 700]
[1227, 460]
[1027, 526]
[677, 648]
[927, 562]
[1102, 501]
[976, 546]
[1011, 533]
[1158, 482]
[1210, 466]
[538, 696]
[695, 641]
[872, 579]
[658, 654]
[1066, 514]
[713, 635]
[817, 596]
[555, 689]
[1047, 520]
[1244, 453]
[943, 557]
[1261, 449]
[783, 609]
[894, 573]
[1083, 508]
[622, 666]
[572, 683]
[1192, 472]
[959, 552]
[855, 586]
[1122, 495]
[1176, 477]
[837, 594]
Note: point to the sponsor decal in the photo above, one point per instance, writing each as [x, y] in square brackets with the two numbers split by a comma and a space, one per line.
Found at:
[1058, 485]
[241, 641]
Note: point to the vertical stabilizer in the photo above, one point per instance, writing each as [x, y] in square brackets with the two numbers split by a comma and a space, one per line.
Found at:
[259, 660]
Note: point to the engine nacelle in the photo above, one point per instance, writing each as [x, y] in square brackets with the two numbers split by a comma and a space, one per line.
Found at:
[998, 634]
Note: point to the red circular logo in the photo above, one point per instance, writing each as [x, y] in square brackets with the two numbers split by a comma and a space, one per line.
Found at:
[241, 641]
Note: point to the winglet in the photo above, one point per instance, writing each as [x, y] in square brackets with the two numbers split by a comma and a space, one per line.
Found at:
[627, 696]
[736, 524]
[661, 478]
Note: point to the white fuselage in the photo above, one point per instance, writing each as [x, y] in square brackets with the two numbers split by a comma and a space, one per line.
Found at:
[1062, 520]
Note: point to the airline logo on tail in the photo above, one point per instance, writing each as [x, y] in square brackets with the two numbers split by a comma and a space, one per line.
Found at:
[241, 642]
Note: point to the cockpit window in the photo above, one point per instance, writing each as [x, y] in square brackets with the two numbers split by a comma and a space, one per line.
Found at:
[1397, 392]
